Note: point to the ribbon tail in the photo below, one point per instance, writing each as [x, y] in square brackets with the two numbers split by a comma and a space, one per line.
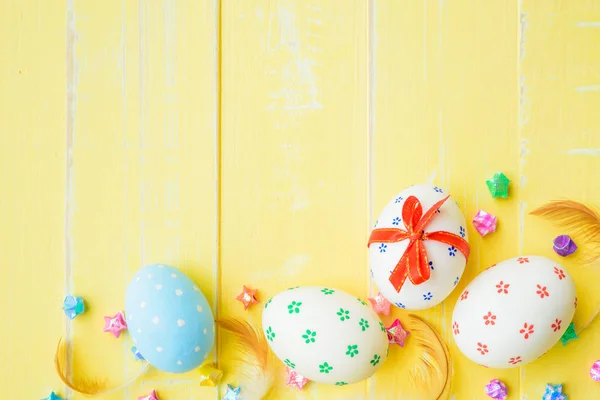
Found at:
[419, 271]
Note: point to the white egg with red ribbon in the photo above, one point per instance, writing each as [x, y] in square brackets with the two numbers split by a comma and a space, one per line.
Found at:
[419, 247]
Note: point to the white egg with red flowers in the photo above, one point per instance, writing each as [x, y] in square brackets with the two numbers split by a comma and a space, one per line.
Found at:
[446, 263]
[325, 334]
[514, 312]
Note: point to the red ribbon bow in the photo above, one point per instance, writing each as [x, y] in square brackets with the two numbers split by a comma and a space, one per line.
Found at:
[414, 263]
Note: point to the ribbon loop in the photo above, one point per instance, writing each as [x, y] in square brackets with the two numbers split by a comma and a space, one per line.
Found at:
[414, 263]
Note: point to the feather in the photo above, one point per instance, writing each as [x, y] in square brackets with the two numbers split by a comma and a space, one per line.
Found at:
[434, 358]
[260, 367]
[583, 221]
[86, 386]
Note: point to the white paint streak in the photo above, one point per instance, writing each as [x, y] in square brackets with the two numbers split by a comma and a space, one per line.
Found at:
[524, 25]
[71, 100]
[299, 90]
[300, 198]
[295, 264]
[591, 24]
[431, 178]
[524, 103]
[591, 88]
[425, 41]
[587, 152]
[524, 152]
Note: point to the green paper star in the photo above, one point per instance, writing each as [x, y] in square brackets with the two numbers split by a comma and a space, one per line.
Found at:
[498, 185]
[569, 334]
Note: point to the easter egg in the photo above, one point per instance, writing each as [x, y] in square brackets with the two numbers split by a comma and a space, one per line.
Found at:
[325, 334]
[169, 319]
[445, 263]
[514, 312]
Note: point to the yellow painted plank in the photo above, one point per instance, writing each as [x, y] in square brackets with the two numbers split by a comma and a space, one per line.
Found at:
[560, 129]
[444, 112]
[294, 155]
[143, 167]
[32, 182]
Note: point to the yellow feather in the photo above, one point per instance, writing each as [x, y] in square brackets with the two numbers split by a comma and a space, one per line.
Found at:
[87, 386]
[434, 358]
[259, 365]
[583, 222]
[84, 385]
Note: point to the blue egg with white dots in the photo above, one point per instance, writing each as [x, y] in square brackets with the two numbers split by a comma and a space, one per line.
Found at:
[169, 319]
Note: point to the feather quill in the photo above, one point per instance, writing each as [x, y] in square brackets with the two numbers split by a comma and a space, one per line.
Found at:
[259, 366]
[583, 221]
[85, 385]
[434, 357]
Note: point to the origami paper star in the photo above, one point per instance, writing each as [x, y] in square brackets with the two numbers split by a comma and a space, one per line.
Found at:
[380, 304]
[554, 392]
[247, 297]
[595, 371]
[137, 354]
[496, 389]
[232, 393]
[498, 185]
[53, 396]
[115, 324]
[151, 396]
[569, 334]
[209, 375]
[484, 223]
[396, 333]
[563, 245]
[73, 306]
[295, 379]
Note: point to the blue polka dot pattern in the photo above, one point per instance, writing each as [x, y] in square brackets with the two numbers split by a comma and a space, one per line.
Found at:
[169, 319]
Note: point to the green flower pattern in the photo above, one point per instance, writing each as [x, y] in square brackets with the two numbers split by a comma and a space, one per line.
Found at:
[381, 326]
[352, 350]
[364, 324]
[292, 288]
[325, 368]
[361, 301]
[327, 291]
[289, 363]
[341, 383]
[309, 336]
[375, 360]
[343, 314]
[294, 307]
[270, 334]
[268, 302]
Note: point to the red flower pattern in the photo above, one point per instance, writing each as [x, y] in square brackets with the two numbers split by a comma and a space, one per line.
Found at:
[523, 260]
[556, 325]
[560, 273]
[490, 267]
[542, 291]
[482, 348]
[502, 287]
[515, 360]
[455, 328]
[527, 330]
[490, 319]
[464, 295]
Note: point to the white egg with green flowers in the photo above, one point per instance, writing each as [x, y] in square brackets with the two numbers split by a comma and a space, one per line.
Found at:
[325, 334]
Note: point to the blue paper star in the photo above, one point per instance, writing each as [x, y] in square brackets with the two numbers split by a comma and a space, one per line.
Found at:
[137, 354]
[73, 306]
[554, 392]
[232, 393]
[53, 396]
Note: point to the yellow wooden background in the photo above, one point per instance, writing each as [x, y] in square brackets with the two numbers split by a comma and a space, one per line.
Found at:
[255, 142]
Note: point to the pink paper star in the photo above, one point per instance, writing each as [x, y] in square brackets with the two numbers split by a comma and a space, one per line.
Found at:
[380, 304]
[295, 379]
[396, 333]
[115, 324]
[151, 396]
[247, 297]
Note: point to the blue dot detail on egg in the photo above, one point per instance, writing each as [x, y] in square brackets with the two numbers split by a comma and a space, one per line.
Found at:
[169, 319]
